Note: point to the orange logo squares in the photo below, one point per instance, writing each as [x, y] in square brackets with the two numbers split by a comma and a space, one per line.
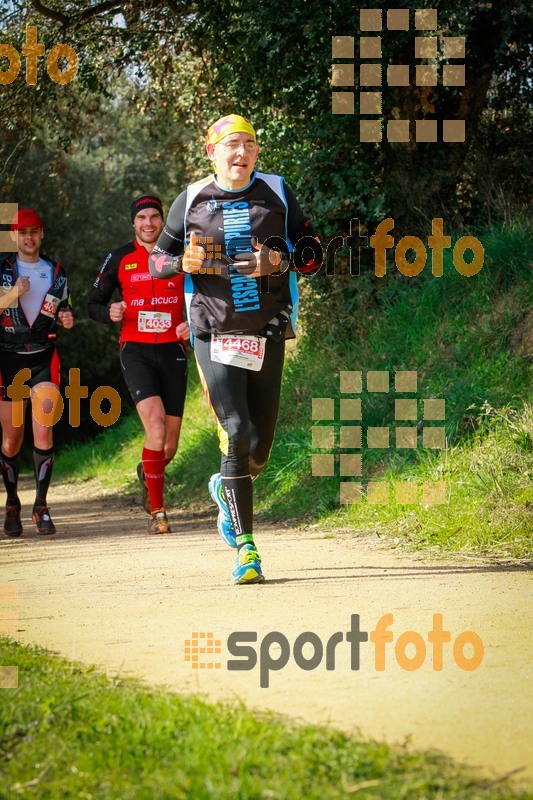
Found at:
[398, 19]
[453, 130]
[406, 438]
[406, 493]
[342, 47]
[200, 644]
[454, 75]
[370, 75]
[342, 75]
[350, 493]
[370, 102]
[398, 130]
[7, 212]
[351, 381]
[434, 438]
[426, 47]
[323, 436]
[351, 464]
[8, 608]
[398, 75]
[370, 19]
[378, 492]
[350, 437]
[323, 408]
[406, 381]
[426, 130]
[426, 19]
[370, 130]
[9, 677]
[426, 74]
[342, 103]
[454, 47]
[322, 465]
[370, 47]
[350, 409]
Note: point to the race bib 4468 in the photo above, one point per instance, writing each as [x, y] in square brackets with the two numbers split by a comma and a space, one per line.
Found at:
[247, 352]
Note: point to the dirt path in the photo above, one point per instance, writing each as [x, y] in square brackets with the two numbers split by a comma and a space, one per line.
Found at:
[103, 592]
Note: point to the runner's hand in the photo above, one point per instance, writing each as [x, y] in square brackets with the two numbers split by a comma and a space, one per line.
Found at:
[183, 331]
[263, 261]
[23, 285]
[193, 256]
[116, 311]
[66, 319]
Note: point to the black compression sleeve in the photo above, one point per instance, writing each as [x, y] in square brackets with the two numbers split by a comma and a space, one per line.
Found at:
[102, 291]
[65, 304]
[165, 258]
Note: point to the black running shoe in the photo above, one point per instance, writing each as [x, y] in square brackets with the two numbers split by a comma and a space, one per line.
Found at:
[12, 523]
[145, 498]
[43, 521]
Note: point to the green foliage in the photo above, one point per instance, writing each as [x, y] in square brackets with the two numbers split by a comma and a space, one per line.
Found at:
[187, 65]
[69, 732]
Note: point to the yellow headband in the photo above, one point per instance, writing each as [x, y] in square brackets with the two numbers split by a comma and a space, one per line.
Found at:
[233, 123]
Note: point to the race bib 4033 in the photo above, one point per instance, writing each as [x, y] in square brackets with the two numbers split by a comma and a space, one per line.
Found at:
[154, 321]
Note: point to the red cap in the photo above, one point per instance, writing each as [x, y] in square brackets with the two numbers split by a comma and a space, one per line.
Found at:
[26, 217]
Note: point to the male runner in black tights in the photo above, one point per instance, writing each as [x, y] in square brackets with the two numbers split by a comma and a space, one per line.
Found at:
[241, 237]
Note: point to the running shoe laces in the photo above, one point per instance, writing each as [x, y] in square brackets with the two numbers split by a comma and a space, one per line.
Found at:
[43, 521]
[12, 523]
[158, 522]
[248, 566]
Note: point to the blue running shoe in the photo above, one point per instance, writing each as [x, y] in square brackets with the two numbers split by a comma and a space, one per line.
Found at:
[224, 523]
[248, 566]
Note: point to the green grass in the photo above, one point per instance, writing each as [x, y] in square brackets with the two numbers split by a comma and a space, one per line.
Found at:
[108, 457]
[488, 505]
[467, 338]
[68, 732]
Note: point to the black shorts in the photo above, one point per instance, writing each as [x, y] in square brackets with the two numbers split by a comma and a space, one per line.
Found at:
[44, 367]
[156, 370]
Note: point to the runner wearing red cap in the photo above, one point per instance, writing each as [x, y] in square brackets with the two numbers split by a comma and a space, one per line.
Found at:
[241, 237]
[35, 300]
[153, 353]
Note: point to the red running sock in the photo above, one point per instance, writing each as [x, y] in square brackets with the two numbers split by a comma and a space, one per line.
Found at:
[154, 475]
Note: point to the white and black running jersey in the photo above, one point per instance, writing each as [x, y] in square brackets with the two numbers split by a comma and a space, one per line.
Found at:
[228, 220]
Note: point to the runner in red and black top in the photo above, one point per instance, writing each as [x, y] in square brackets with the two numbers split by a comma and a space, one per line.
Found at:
[153, 352]
[34, 299]
[241, 237]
